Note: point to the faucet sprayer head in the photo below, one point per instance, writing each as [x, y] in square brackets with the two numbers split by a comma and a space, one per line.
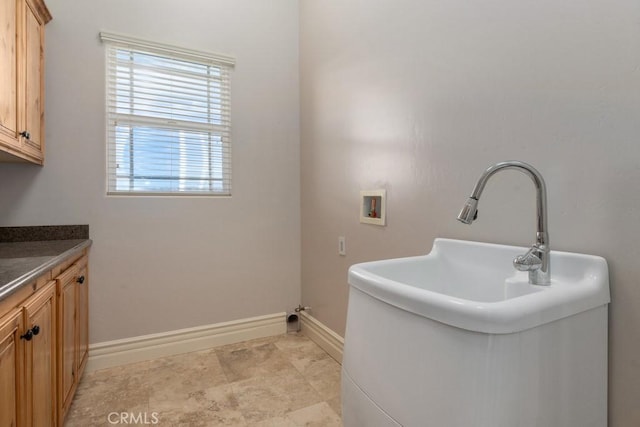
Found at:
[536, 261]
[469, 211]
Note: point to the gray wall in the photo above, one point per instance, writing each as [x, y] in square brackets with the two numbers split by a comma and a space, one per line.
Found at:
[161, 264]
[420, 96]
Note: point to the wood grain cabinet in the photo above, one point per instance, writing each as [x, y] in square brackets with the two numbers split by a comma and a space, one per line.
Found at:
[83, 313]
[73, 331]
[40, 356]
[28, 361]
[11, 369]
[22, 80]
[44, 346]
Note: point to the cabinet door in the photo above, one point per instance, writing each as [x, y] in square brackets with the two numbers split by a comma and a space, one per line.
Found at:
[83, 316]
[33, 145]
[11, 369]
[67, 345]
[40, 312]
[9, 19]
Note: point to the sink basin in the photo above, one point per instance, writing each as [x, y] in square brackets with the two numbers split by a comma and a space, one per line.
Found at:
[473, 285]
[460, 338]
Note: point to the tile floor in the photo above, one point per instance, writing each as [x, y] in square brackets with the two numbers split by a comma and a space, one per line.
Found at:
[285, 380]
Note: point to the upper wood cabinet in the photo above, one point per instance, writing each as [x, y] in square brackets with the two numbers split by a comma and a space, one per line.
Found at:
[22, 80]
[9, 73]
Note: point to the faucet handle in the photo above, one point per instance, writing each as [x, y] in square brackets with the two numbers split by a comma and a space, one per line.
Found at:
[530, 261]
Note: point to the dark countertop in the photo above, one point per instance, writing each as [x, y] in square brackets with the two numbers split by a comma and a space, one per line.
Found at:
[22, 262]
[43, 232]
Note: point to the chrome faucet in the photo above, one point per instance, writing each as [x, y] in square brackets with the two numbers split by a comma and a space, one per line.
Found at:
[536, 260]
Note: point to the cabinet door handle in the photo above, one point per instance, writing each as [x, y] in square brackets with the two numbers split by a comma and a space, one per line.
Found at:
[26, 134]
[80, 280]
[35, 330]
[27, 336]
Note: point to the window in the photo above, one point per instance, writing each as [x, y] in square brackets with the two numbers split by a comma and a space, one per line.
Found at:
[168, 119]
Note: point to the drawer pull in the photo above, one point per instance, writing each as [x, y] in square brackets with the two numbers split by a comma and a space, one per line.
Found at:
[80, 280]
[35, 330]
[27, 336]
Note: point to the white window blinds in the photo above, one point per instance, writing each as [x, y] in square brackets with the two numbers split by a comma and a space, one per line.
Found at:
[168, 119]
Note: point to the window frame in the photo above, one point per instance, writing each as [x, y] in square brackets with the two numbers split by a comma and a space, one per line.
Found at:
[186, 131]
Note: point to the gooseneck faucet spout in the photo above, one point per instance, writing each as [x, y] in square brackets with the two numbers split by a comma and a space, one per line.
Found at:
[536, 260]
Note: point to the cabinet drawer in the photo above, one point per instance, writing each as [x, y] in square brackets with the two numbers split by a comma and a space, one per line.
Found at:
[82, 262]
[63, 266]
[15, 300]
[67, 275]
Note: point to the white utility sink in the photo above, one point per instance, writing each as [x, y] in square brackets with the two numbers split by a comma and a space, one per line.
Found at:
[474, 286]
[460, 338]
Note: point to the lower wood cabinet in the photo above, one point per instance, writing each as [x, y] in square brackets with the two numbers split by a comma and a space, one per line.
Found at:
[83, 313]
[73, 326]
[40, 356]
[44, 347]
[28, 361]
[11, 369]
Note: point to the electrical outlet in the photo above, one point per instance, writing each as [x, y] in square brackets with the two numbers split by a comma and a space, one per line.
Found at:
[342, 246]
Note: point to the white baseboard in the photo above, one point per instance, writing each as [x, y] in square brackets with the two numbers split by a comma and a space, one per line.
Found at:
[136, 349]
[327, 339]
